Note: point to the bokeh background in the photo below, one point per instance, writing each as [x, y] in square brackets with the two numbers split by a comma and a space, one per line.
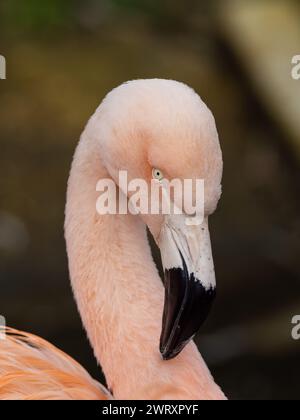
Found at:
[62, 58]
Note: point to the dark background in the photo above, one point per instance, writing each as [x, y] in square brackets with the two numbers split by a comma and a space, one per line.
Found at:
[62, 58]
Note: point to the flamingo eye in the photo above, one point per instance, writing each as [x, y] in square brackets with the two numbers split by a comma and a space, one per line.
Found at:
[157, 174]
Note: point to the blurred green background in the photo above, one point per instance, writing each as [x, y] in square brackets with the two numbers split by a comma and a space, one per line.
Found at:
[62, 58]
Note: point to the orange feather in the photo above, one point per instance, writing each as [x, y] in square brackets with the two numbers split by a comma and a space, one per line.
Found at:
[33, 369]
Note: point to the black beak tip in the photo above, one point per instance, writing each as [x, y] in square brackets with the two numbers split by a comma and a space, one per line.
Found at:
[187, 305]
[167, 356]
[171, 354]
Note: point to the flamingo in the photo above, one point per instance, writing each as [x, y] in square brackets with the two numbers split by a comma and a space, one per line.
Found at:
[140, 126]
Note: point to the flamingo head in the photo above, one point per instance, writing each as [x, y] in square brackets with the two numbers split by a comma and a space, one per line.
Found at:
[160, 130]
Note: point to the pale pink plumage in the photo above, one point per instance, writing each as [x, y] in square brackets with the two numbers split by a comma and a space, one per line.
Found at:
[115, 282]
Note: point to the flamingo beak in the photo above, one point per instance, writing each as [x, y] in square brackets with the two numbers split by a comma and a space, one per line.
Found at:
[189, 279]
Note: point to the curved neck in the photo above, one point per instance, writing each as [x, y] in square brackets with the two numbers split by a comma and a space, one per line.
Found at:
[120, 295]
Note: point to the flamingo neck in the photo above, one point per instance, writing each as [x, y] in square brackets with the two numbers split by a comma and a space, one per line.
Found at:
[120, 295]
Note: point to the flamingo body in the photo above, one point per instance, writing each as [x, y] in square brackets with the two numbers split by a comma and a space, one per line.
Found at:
[33, 369]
